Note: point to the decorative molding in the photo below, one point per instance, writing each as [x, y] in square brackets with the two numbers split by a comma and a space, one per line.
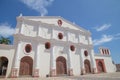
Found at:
[53, 72]
[70, 72]
[82, 71]
[36, 73]
[94, 70]
[14, 73]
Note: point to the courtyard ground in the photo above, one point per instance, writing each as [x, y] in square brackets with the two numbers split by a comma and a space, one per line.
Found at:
[103, 76]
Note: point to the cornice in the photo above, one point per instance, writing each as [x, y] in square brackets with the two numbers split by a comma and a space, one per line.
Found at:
[100, 55]
[39, 39]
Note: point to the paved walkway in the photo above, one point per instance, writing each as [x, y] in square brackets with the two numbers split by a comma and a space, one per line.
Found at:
[103, 76]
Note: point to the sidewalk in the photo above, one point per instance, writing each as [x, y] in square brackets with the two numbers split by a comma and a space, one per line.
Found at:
[102, 76]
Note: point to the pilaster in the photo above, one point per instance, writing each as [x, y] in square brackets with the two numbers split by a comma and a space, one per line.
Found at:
[16, 64]
[82, 62]
[94, 70]
[36, 61]
[52, 62]
[70, 69]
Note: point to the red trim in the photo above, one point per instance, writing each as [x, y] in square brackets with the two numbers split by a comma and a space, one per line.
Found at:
[102, 61]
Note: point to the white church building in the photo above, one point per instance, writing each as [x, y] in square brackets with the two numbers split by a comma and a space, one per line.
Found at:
[52, 46]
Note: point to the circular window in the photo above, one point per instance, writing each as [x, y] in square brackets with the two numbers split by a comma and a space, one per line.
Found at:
[28, 48]
[60, 36]
[59, 22]
[47, 45]
[72, 48]
[86, 53]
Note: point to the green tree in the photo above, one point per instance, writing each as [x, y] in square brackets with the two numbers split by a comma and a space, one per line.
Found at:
[4, 40]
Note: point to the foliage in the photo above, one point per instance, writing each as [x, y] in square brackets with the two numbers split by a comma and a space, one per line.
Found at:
[4, 40]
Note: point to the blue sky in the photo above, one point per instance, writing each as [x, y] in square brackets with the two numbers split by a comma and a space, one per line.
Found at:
[101, 17]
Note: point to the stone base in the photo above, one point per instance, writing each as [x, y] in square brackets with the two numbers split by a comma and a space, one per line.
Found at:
[70, 72]
[14, 73]
[52, 72]
[82, 71]
[94, 70]
[36, 73]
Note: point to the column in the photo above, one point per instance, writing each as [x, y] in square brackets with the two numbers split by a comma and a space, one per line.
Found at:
[52, 62]
[94, 69]
[70, 68]
[16, 62]
[36, 61]
[82, 61]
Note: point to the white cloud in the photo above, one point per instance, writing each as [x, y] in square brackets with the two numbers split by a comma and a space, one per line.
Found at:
[38, 5]
[106, 38]
[103, 27]
[103, 39]
[6, 30]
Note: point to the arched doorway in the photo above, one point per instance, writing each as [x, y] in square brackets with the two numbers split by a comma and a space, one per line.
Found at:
[87, 66]
[61, 67]
[3, 66]
[26, 65]
[100, 67]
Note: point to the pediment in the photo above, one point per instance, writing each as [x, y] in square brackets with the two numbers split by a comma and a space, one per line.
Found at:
[57, 21]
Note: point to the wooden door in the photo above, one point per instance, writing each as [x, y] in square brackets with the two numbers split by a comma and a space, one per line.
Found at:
[100, 67]
[61, 66]
[26, 65]
[87, 66]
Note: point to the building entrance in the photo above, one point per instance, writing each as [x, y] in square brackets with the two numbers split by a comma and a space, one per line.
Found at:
[26, 66]
[61, 67]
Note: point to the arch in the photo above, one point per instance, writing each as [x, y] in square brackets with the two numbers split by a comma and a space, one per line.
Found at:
[61, 67]
[87, 66]
[26, 65]
[3, 66]
[100, 67]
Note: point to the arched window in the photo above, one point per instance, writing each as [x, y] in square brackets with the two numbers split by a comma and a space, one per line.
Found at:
[47, 45]
[60, 35]
[28, 48]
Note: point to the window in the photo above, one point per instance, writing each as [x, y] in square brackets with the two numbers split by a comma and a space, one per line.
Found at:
[28, 48]
[85, 53]
[47, 45]
[59, 22]
[72, 48]
[60, 35]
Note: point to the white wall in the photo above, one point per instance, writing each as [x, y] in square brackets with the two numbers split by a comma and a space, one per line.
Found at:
[8, 52]
[75, 61]
[110, 67]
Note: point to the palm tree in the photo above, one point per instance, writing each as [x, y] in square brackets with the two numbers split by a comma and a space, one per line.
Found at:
[4, 40]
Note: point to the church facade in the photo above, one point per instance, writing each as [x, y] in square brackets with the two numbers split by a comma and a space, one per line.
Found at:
[52, 46]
